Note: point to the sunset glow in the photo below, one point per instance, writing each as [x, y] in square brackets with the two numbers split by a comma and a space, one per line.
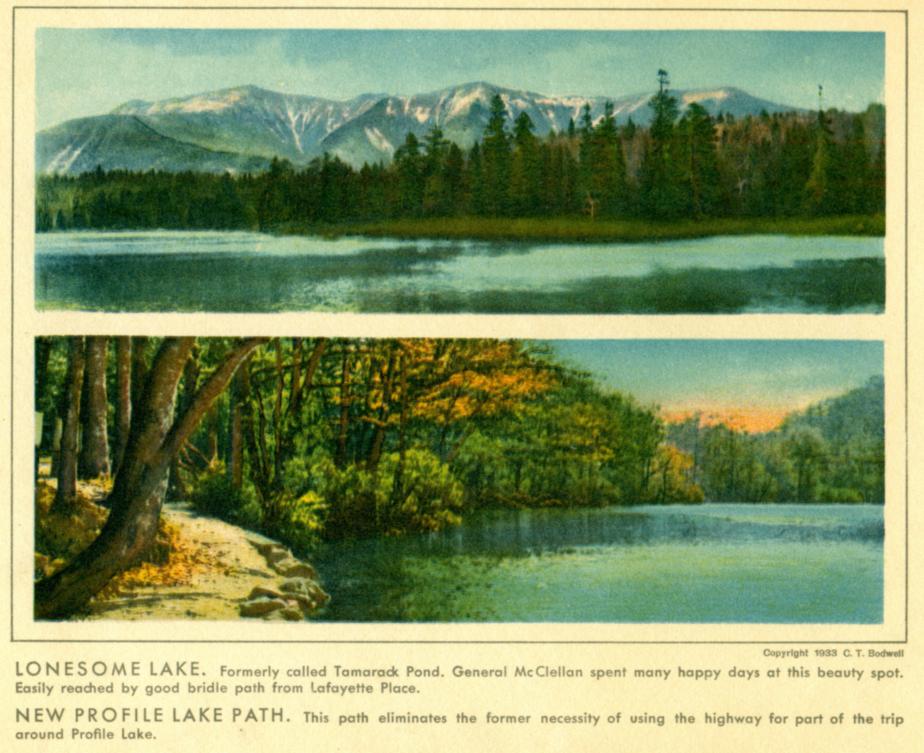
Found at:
[752, 420]
[751, 385]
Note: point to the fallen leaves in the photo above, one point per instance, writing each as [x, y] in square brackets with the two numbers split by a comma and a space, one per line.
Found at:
[184, 559]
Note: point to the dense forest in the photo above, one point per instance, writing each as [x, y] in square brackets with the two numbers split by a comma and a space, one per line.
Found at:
[831, 452]
[689, 166]
[330, 438]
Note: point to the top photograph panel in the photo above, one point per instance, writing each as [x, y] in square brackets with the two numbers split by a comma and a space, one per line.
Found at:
[552, 172]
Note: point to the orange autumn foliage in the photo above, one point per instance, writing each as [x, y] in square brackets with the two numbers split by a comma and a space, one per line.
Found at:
[59, 538]
[467, 378]
[183, 560]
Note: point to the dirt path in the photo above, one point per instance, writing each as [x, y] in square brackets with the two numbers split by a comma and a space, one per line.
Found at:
[233, 573]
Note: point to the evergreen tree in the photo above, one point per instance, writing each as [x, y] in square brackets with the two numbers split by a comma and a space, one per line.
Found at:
[853, 171]
[409, 167]
[661, 194]
[817, 188]
[436, 199]
[525, 168]
[586, 154]
[274, 197]
[454, 180]
[476, 200]
[496, 160]
[700, 172]
[608, 165]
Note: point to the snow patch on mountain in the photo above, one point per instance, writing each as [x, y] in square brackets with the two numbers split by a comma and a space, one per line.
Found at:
[378, 140]
[294, 118]
[250, 125]
[463, 103]
[718, 95]
[63, 160]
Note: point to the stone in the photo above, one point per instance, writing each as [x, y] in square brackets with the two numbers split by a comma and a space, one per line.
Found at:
[292, 613]
[307, 592]
[292, 568]
[260, 607]
[259, 542]
[277, 554]
[265, 592]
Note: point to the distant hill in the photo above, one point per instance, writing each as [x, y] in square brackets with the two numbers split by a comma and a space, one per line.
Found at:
[242, 128]
[857, 416]
[127, 142]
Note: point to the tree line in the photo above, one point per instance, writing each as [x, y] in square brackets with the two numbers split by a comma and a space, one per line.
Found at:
[831, 452]
[316, 438]
[681, 166]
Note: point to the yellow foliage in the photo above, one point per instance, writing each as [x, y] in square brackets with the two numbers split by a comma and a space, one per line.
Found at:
[474, 377]
[307, 512]
[183, 561]
[103, 483]
[673, 470]
[60, 537]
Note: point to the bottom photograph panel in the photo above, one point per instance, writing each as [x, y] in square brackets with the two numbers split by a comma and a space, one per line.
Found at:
[459, 480]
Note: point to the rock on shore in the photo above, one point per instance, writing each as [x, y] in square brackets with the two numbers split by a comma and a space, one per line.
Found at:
[244, 575]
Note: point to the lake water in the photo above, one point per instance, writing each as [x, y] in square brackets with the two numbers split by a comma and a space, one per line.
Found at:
[251, 272]
[705, 563]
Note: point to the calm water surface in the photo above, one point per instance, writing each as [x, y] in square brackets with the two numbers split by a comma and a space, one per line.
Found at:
[707, 563]
[234, 271]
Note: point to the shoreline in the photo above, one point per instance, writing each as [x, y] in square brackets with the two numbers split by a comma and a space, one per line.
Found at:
[568, 230]
[582, 230]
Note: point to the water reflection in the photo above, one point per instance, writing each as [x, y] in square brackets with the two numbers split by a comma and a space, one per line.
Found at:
[252, 272]
[739, 563]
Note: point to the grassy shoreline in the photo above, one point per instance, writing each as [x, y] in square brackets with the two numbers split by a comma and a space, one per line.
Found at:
[585, 230]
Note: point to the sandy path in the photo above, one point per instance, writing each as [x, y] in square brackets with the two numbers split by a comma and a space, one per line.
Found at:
[229, 569]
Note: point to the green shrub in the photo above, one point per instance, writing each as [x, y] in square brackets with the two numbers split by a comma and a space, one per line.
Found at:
[300, 520]
[427, 496]
[421, 495]
[214, 494]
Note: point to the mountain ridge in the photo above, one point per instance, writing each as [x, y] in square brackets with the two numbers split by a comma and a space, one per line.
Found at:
[251, 125]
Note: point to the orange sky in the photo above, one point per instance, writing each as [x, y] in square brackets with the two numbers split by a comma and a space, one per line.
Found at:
[753, 420]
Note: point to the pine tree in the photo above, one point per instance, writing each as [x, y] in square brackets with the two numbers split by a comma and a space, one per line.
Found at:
[409, 166]
[525, 168]
[435, 198]
[700, 168]
[817, 188]
[496, 160]
[661, 196]
[608, 167]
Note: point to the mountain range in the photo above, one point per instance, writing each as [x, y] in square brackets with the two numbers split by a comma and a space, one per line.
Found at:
[243, 128]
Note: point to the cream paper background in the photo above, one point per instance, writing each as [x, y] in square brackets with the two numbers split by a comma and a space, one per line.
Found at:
[249, 643]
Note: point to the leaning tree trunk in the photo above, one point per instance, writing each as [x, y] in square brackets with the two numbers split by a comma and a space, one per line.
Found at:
[66, 495]
[94, 451]
[138, 490]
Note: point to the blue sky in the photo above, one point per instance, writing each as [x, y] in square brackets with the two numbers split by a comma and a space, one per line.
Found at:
[762, 375]
[84, 72]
